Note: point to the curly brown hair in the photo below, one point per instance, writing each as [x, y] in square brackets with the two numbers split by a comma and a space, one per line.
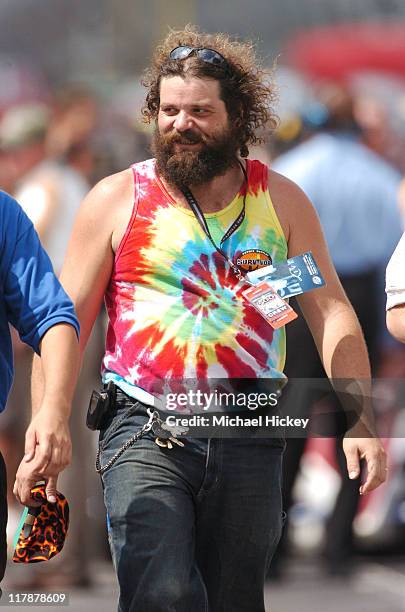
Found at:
[246, 87]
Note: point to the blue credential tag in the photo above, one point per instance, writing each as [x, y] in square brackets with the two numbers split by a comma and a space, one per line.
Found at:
[292, 277]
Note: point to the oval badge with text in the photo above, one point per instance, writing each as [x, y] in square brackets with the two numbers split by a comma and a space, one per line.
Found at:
[253, 259]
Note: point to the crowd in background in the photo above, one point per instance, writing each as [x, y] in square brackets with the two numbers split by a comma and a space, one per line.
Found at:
[344, 145]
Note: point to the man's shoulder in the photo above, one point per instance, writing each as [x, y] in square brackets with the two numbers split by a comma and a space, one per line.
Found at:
[8, 204]
[284, 189]
[107, 206]
[18, 238]
[291, 204]
[120, 186]
[114, 184]
[109, 193]
[11, 213]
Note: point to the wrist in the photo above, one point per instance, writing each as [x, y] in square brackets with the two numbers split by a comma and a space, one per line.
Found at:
[360, 430]
[54, 406]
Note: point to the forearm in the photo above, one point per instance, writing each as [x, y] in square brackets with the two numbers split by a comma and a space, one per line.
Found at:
[54, 374]
[346, 362]
[48, 447]
[342, 348]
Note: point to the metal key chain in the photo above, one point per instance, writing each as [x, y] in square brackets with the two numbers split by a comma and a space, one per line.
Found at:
[153, 415]
[165, 436]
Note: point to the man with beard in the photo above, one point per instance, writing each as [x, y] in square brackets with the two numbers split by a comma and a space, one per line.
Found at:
[193, 527]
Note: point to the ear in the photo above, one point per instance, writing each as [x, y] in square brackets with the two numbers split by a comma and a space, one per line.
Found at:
[244, 151]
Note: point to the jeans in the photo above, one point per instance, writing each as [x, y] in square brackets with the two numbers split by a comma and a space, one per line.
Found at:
[191, 529]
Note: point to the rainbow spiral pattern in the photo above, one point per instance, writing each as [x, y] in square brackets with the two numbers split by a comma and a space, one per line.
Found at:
[174, 304]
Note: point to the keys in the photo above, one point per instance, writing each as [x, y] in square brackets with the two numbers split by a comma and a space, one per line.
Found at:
[165, 437]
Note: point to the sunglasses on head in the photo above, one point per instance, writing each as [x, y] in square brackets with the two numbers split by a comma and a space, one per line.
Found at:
[209, 56]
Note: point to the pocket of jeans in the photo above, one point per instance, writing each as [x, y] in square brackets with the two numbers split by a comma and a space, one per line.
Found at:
[118, 419]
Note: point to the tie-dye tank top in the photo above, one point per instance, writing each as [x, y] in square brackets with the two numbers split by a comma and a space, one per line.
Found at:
[174, 304]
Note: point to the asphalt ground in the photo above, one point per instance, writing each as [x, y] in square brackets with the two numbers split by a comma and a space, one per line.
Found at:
[376, 586]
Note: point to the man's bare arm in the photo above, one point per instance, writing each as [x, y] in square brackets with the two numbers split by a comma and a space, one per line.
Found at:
[47, 440]
[334, 326]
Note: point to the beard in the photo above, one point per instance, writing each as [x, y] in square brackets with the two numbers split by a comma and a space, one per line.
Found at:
[187, 168]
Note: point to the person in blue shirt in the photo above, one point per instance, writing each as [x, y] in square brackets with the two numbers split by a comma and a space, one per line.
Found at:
[33, 301]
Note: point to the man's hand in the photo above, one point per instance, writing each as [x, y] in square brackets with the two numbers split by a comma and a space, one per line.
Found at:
[372, 451]
[26, 479]
[48, 440]
[48, 450]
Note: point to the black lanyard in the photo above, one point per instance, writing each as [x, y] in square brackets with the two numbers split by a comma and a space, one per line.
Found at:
[195, 207]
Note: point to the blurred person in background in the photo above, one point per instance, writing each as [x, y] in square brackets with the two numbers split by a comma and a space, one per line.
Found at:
[7, 178]
[355, 193]
[137, 244]
[395, 289]
[33, 301]
[23, 131]
[50, 188]
[379, 111]
[73, 121]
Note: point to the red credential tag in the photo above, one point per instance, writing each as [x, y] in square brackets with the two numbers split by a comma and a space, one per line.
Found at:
[271, 306]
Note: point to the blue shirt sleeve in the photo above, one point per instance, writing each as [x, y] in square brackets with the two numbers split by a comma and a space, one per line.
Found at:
[33, 297]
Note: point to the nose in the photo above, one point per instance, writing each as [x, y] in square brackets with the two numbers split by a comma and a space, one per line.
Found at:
[183, 121]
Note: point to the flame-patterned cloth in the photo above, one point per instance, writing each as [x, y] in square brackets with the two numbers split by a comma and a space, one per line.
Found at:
[48, 532]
